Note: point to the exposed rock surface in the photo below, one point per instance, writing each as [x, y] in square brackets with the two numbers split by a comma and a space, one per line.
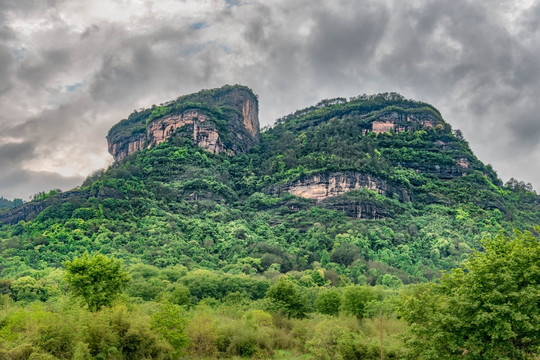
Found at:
[322, 186]
[359, 209]
[204, 134]
[399, 122]
[126, 146]
[239, 108]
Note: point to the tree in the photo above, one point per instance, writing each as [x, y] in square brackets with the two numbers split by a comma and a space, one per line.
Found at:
[170, 322]
[487, 310]
[286, 298]
[345, 254]
[328, 302]
[355, 299]
[97, 279]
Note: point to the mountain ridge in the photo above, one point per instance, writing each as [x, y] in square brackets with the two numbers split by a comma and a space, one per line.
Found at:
[371, 186]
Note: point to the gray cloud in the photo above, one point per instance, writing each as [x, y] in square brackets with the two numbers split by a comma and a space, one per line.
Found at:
[21, 181]
[69, 70]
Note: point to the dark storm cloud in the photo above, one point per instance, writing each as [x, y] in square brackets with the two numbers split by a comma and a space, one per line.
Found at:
[63, 85]
[12, 154]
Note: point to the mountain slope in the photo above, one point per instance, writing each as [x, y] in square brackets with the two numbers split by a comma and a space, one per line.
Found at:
[373, 189]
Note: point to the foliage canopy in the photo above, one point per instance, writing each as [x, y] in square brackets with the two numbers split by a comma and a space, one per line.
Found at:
[97, 279]
[487, 310]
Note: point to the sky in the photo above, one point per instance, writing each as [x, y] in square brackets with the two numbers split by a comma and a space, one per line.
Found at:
[70, 69]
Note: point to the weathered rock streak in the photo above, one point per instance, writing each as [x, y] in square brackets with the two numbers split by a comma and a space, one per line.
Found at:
[402, 122]
[322, 186]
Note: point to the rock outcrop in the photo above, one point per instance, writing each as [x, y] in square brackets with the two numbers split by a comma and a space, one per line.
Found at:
[126, 146]
[400, 122]
[220, 121]
[326, 185]
[204, 133]
[359, 209]
[336, 191]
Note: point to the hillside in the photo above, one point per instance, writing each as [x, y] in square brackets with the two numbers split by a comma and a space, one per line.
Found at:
[8, 204]
[371, 190]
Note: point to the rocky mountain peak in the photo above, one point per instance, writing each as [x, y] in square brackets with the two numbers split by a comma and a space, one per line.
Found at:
[223, 120]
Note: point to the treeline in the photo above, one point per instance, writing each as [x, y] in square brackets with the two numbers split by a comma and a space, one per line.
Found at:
[171, 312]
[9, 204]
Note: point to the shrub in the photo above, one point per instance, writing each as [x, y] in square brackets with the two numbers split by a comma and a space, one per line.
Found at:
[355, 299]
[328, 302]
[202, 335]
[170, 322]
[286, 298]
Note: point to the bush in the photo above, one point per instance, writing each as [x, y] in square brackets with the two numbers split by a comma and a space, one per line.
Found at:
[355, 299]
[328, 302]
[286, 298]
[180, 295]
[202, 335]
[170, 323]
[56, 339]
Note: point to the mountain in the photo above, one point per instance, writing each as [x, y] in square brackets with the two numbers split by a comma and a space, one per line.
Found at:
[373, 189]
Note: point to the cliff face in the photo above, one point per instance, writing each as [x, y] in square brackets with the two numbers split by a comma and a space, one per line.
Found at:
[322, 186]
[326, 190]
[398, 122]
[126, 146]
[222, 120]
[204, 133]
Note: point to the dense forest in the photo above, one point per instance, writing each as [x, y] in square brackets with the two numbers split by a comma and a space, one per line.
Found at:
[333, 235]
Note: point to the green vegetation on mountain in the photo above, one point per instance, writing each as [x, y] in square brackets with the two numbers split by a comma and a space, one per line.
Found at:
[9, 204]
[294, 247]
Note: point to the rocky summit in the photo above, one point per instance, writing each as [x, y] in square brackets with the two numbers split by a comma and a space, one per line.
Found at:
[222, 120]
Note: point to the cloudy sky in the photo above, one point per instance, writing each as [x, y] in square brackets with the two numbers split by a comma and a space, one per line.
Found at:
[70, 69]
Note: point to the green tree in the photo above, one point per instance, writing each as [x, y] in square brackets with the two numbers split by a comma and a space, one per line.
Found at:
[97, 279]
[286, 298]
[180, 295]
[328, 302]
[170, 322]
[487, 310]
[355, 299]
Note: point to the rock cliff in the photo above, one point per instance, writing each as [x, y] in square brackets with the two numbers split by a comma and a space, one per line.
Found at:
[326, 185]
[400, 122]
[223, 120]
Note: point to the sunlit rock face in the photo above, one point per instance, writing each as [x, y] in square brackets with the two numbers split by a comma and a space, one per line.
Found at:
[322, 186]
[330, 190]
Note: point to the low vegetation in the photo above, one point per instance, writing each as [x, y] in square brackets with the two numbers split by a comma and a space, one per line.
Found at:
[487, 310]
